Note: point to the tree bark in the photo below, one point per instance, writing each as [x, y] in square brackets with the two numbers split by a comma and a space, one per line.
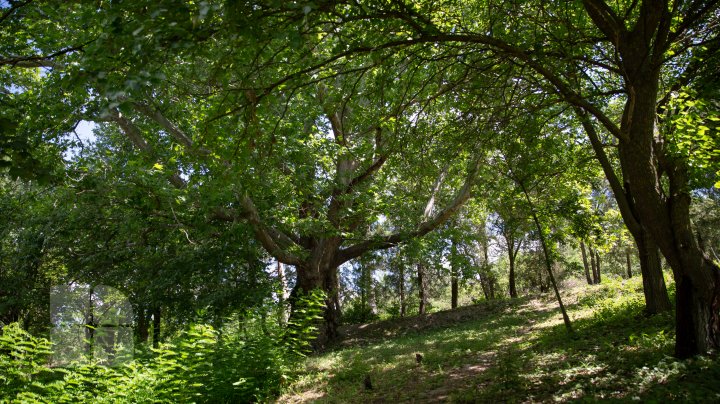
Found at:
[282, 295]
[593, 266]
[665, 214]
[422, 293]
[156, 327]
[454, 290]
[453, 279]
[597, 266]
[628, 263]
[546, 253]
[143, 325]
[656, 296]
[585, 263]
[512, 253]
[401, 289]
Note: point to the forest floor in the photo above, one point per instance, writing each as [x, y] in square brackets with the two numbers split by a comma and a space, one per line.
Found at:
[514, 350]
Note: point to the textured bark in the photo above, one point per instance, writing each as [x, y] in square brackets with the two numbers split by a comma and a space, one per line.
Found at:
[665, 215]
[656, 296]
[422, 293]
[585, 263]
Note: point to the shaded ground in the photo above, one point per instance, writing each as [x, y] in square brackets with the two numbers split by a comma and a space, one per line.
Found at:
[514, 351]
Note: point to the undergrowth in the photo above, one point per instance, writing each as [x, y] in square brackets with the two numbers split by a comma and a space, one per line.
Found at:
[519, 352]
[246, 361]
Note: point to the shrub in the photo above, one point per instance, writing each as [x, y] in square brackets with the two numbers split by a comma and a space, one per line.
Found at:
[200, 364]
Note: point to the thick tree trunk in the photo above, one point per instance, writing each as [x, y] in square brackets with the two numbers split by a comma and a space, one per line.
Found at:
[665, 215]
[656, 296]
[422, 293]
[585, 263]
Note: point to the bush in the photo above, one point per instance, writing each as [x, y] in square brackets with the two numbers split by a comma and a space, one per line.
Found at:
[200, 364]
[357, 313]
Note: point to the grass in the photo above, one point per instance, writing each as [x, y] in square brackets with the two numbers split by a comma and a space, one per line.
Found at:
[516, 351]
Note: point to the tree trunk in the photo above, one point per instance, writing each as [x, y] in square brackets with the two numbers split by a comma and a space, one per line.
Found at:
[665, 215]
[511, 277]
[585, 263]
[548, 258]
[597, 265]
[282, 295]
[156, 327]
[628, 263]
[453, 286]
[593, 266]
[401, 289]
[656, 296]
[422, 293]
[143, 325]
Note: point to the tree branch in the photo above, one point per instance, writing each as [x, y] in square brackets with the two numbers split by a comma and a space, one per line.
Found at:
[423, 228]
[274, 241]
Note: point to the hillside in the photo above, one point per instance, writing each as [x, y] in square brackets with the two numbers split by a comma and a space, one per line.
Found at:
[513, 351]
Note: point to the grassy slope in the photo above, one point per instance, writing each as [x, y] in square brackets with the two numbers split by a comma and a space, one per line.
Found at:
[512, 351]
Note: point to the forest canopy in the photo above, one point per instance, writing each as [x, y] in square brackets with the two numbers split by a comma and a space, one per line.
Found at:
[244, 155]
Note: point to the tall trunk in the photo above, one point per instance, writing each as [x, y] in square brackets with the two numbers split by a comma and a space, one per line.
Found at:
[665, 215]
[454, 290]
[156, 327]
[422, 293]
[548, 258]
[593, 266]
[143, 325]
[656, 296]
[511, 277]
[363, 292]
[282, 295]
[628, 263]
[585, 263]
[597, 266]
[401, 289]
[454, 276]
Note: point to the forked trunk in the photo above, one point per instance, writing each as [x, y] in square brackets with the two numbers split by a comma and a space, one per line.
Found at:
[665, 216]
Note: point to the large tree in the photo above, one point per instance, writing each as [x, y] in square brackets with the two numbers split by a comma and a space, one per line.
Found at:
[615, 65]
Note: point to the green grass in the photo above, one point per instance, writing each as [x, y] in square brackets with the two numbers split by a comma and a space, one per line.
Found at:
[519, 350]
